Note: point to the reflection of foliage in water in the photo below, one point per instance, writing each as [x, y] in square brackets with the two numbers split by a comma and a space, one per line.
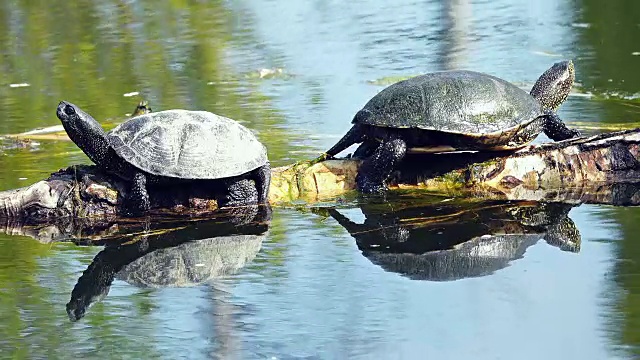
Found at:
[627, 276]
[611, 32]
[91, 53]
[172, 54]
[609, 38]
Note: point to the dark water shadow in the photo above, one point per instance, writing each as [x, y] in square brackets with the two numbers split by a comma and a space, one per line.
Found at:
[448, 241]
[178, 253]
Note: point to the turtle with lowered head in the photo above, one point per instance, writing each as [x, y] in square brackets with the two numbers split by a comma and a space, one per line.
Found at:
[174, 147]
[453, 111]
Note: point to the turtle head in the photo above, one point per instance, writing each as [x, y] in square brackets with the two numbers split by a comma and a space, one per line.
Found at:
[142, 108]
[72, 117]
[554, 85]
[84, 131]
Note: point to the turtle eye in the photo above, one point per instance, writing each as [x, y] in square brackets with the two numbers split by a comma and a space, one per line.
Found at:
[69, 110]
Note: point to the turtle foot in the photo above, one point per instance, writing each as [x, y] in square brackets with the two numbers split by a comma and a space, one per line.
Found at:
[556, 130]
[376, 169]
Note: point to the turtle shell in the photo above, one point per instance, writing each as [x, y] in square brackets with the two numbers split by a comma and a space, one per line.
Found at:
[459, 101]
[188, 145]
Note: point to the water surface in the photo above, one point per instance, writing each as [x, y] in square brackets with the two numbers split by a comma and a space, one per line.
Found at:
[309, 287]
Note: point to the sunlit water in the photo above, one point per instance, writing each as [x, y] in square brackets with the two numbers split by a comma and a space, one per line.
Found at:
[309, 291]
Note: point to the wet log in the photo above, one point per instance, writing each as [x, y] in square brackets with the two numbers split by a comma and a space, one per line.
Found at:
[594, 169]
[567, 170]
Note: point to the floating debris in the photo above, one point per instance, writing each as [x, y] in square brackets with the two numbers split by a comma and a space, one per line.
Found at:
[388, 80]
[45, 130]
[19, 85]
[635, 53]
[591, 125]
[581, 25]
[8, 143]
[131, 94]
[263, 73]
[271, 73]
[583, 95]
[546, 53]
[23, 178]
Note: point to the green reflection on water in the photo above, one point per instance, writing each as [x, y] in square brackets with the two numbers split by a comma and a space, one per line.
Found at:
[611, 34]
[92, 53]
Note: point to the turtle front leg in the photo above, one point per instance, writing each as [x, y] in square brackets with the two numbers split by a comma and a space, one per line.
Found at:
[137, 201]
[556, 130]
[376, 169]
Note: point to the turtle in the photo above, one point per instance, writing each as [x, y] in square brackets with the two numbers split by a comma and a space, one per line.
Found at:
[172, 147]
[142, 108]
[455, 110]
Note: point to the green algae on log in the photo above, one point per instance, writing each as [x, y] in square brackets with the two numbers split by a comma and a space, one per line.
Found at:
[590, 169]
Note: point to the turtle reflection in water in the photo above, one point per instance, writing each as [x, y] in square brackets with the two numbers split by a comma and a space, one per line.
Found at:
[442, 242]
[178, 254]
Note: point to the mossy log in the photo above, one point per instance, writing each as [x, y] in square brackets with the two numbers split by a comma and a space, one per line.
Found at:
[594, 169]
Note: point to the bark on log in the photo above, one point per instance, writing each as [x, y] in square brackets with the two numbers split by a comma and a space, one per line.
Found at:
[600, 169]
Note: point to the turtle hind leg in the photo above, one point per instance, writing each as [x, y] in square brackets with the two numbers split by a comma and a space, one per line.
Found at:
[376, 169]
[242, 195]
[137, 201]
[262, 179]
[556, 130]
[239, 191]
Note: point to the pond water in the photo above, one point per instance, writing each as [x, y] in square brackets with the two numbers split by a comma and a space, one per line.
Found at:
[349, 282]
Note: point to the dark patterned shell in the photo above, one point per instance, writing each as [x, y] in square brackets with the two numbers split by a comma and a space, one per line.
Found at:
[188, 145]
[464, 102]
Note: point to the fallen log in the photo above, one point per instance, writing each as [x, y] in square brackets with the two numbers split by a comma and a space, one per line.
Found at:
[592, 169]
[579, 170]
